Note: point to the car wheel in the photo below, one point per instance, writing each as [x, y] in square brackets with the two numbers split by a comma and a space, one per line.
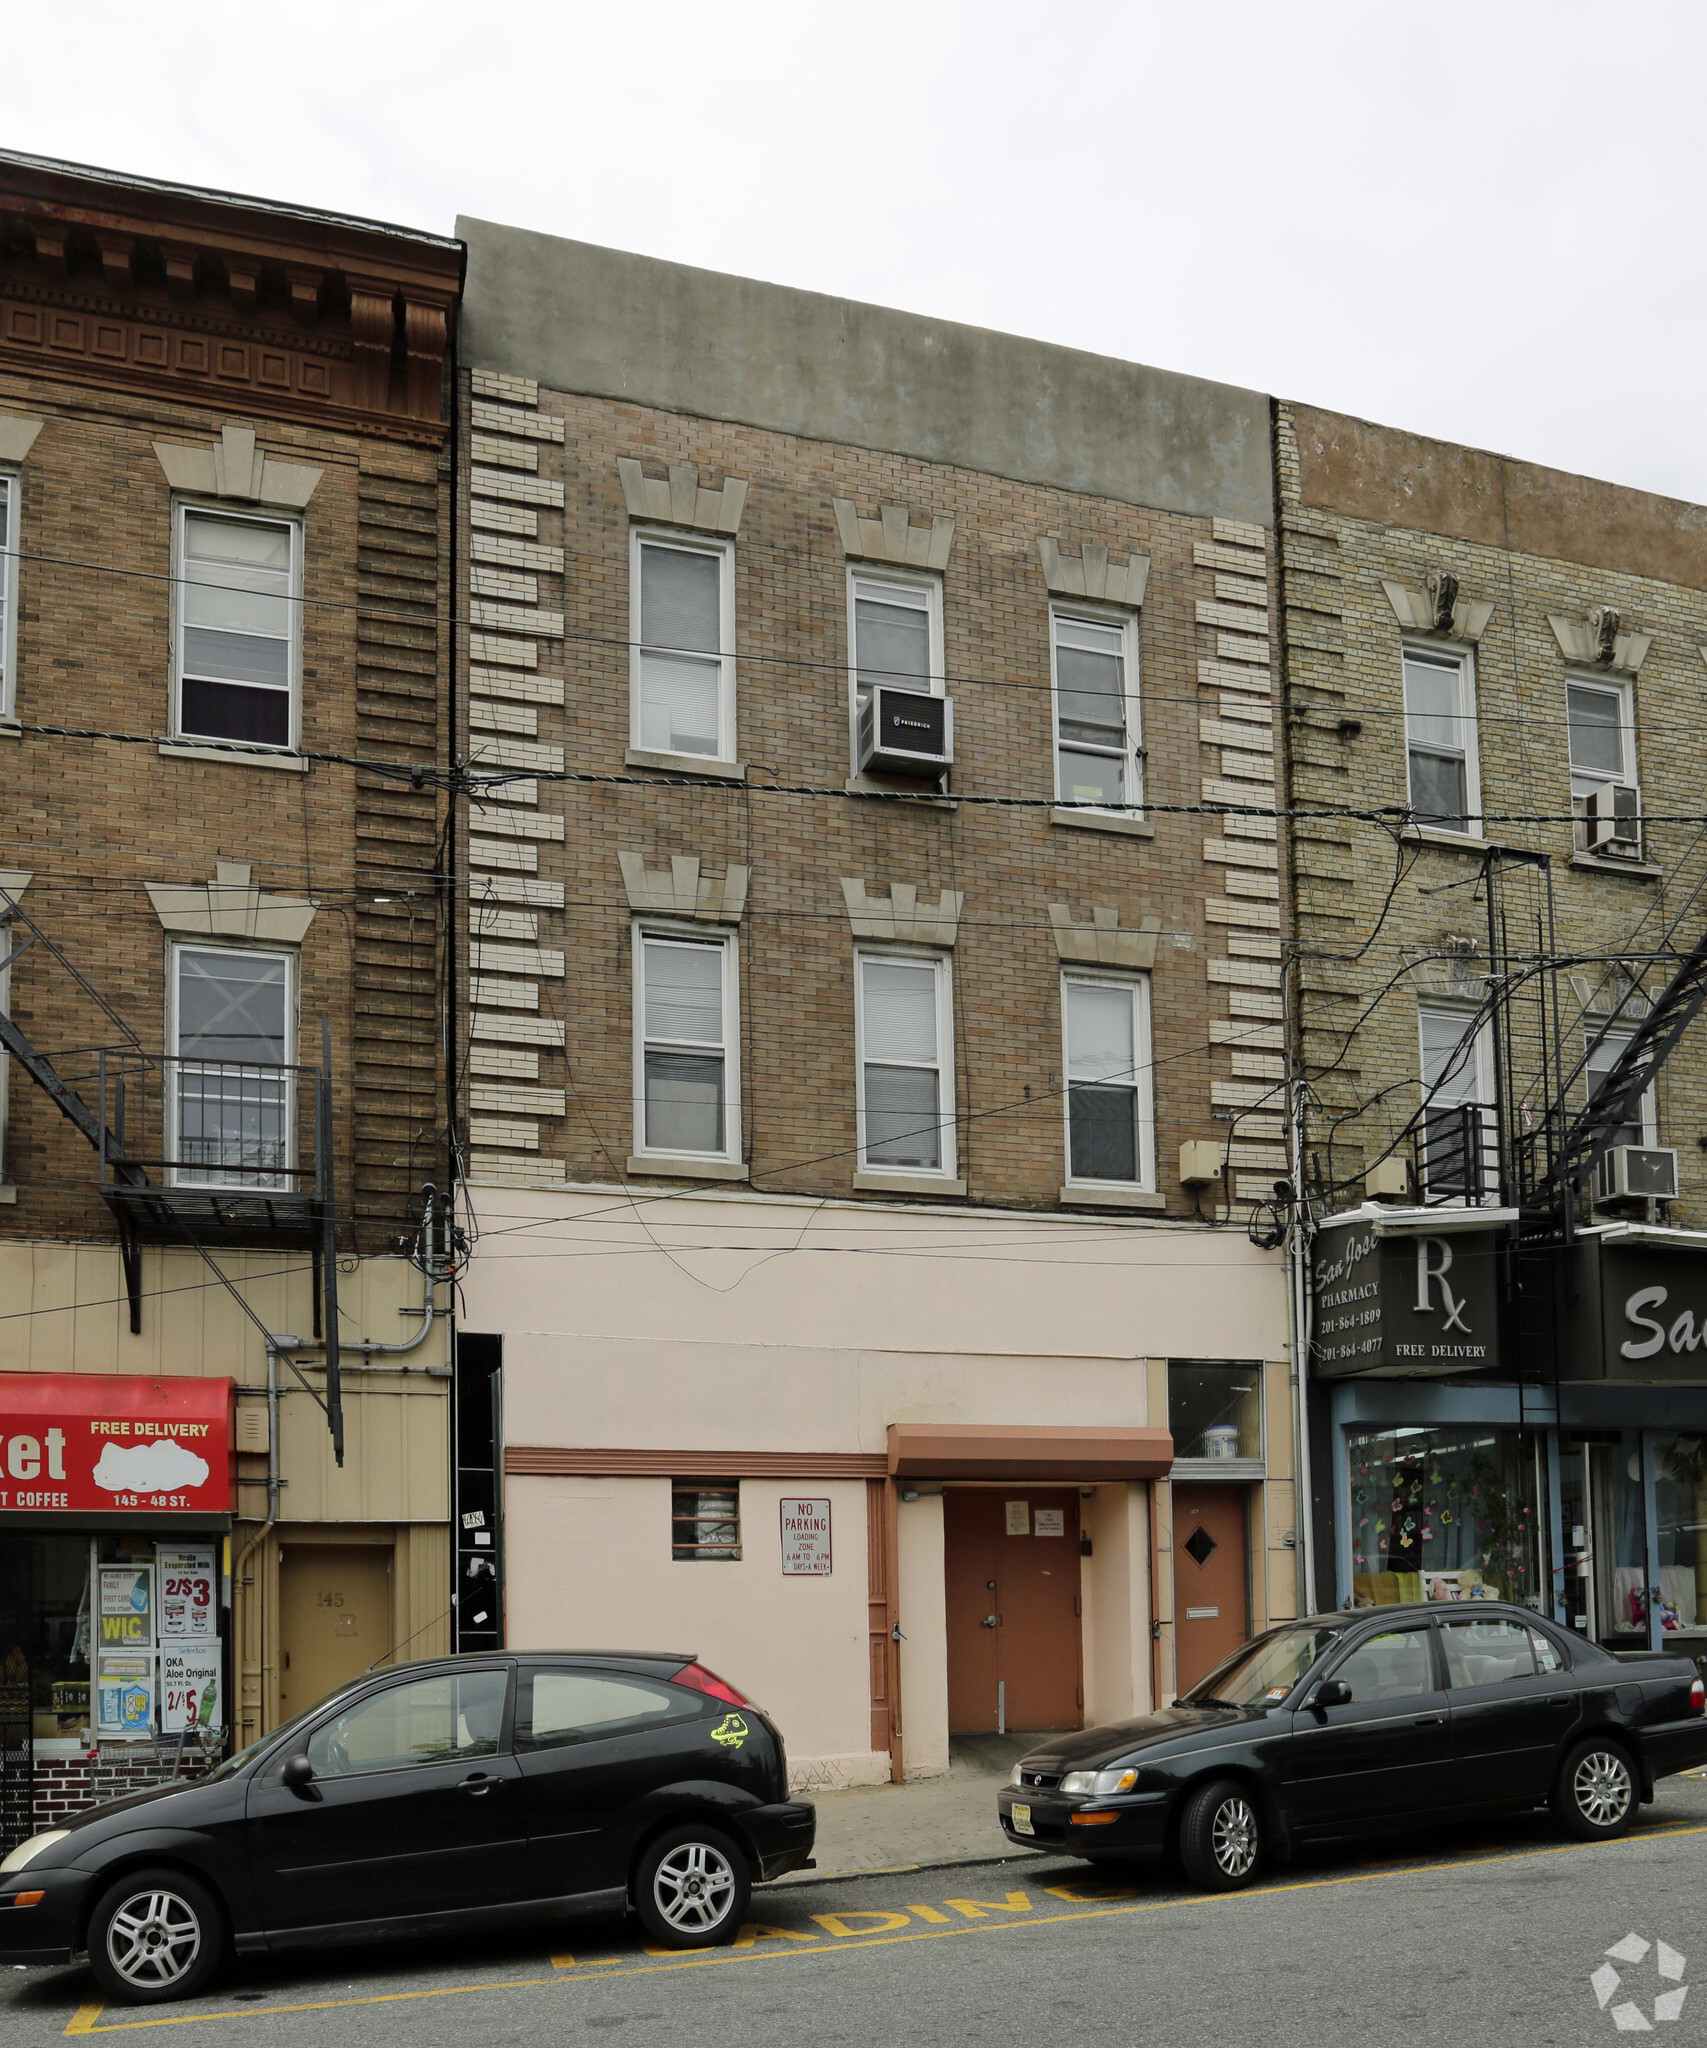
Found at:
[691, 1888]
[156, 1934]
[1220, 1836]
[1594, 1797]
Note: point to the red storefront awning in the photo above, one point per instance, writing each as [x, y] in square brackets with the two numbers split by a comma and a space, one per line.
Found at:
[110, 1443]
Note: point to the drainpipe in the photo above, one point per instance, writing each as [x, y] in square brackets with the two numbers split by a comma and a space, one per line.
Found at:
[1299, 1307]
[274, 1346]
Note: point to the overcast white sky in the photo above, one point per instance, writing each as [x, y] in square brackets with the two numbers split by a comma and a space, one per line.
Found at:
[1478, 220]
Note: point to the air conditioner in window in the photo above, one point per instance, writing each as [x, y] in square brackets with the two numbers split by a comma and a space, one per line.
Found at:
[1615, 821]
[905, 732]
[1639, 1172]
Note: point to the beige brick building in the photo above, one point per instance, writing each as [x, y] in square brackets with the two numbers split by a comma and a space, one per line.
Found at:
[853, 1123]
[1503, 667]
[223, 546]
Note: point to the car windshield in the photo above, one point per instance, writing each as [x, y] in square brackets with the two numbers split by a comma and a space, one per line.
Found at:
[1262, 1673]
[233, 1764]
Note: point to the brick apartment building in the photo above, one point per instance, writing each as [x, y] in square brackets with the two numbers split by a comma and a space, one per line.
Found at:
[869, 1078]
[224, 503]
[1516, 657]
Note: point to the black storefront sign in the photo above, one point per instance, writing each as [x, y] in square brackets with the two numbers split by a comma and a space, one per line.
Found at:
[1406, 1302]
[1636, 1309]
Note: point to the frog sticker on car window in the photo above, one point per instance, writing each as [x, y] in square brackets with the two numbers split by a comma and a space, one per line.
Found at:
[731, 1731]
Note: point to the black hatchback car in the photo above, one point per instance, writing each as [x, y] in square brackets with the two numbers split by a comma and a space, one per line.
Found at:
[1346, 1721]
[461, 1793]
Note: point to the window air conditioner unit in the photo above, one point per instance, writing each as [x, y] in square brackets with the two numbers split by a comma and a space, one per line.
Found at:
[1639, 1172]
[1615, 821]
[905, 732]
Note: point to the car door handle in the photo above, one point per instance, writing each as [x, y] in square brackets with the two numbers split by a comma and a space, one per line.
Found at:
[1428, 1720]
[479, 1784]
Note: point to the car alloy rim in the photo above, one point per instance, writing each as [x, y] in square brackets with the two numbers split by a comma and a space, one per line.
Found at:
[1235, 1837]
[154, 1938]
[1602, 1787]
[694, 1887]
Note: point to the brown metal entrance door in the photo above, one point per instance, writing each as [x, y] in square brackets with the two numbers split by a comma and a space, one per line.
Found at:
[334, 1617]
[1211, 1578]
[1012, 1566]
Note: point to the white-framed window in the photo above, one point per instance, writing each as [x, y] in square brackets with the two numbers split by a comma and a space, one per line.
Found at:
[1110, 1121]
[687, 1067]
[1600, 718]
[1440, 738]
[231, 1095]
[8, 591]
[1099, 750]
[239, 627]
[904, 1029]
[894, 636]
[1603, 1050]
[682, 623]
[1458, 1153]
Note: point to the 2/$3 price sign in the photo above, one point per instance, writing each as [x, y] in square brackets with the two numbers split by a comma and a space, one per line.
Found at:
[157, 1629]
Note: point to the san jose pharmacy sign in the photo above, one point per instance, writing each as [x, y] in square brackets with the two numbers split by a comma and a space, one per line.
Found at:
[1405, 1302]
[73, 1442]
[805, 1537]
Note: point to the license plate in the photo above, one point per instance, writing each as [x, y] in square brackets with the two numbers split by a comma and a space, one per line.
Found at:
[1022, 1821]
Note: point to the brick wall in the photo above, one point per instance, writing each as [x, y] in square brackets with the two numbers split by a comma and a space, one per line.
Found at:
[95, 819]
[1362, 974]
[68, 1785]
[549, 681]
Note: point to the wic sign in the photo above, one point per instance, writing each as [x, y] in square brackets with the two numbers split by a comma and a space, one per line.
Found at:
[101, 1442]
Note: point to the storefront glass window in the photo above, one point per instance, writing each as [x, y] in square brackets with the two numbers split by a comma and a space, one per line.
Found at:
[1443, 1514]
[44, 1631]
[1215, 1409]
[1619, 1548]
[1680, 1487]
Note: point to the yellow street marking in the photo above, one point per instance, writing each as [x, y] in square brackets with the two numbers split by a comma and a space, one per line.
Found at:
[84, 2020]
[837, 1923]
[980, 1909]
[931, 1913]
[563, 1962]
[756, 1930]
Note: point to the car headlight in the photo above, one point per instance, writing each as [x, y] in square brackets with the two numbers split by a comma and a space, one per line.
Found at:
[1099, 1784]
[27, 1852]
[1017, 1775]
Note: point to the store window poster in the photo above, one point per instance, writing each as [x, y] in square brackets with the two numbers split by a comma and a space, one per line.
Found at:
[188, 1592]
[126, 1605]
[189, 1691]
[124, 1691]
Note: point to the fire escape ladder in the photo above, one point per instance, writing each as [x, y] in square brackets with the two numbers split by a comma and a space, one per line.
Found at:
[1615, 1102]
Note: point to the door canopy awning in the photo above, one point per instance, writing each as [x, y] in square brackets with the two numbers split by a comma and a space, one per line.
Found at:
[963, 1450]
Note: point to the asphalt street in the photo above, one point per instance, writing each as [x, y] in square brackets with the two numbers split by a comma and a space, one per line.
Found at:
[1488, 1936]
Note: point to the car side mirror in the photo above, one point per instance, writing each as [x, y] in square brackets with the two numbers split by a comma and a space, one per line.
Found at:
[1332, 1692]
[298, 1776]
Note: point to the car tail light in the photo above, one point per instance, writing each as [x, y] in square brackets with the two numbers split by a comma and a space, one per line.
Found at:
[698, 1679]
[1698, 1698]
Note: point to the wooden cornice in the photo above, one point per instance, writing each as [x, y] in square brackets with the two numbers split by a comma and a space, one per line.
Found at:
[245, 305]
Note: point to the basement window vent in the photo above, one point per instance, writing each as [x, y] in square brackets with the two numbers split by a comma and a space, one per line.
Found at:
[705, 1518]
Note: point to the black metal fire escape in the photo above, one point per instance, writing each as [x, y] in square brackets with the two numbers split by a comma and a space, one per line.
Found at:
[279, 1205]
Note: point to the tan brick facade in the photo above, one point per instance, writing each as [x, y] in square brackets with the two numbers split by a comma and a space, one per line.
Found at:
[1365, 508]
[796, 949]
[161, 349]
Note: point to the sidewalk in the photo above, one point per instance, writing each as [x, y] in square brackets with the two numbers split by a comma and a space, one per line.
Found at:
[932, 1821]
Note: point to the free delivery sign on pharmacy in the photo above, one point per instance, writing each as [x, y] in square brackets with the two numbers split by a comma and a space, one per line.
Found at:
[74, 1441]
